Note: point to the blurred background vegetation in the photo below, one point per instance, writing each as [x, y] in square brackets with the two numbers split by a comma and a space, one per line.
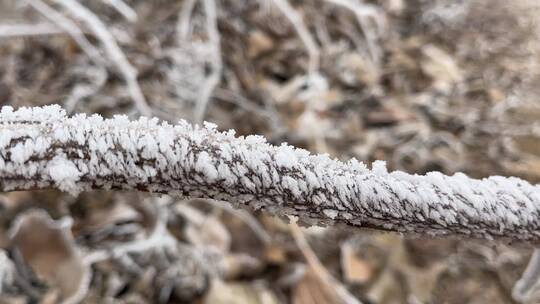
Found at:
[440, 85]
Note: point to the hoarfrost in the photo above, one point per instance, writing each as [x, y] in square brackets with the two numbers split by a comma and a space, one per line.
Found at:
[330, 213]
[64, 174]
[204, 165]
[41, 147]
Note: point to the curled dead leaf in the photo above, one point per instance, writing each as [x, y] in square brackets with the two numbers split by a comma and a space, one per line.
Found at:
[441, 67]
[47, 246]
[355, 268]
[204, 229]
[241, 293]
[312, 290]
[236, 266]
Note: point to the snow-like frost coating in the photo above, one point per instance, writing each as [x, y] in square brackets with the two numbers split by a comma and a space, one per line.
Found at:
[64, 173]
[43, 148]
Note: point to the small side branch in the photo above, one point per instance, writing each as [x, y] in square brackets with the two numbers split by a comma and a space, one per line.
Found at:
[112, 49]
[370, 21]
[529, 280]
[296, 20]
[21, 30]
[217, 65]
[43, 148]
[124, 9]
[69, 27]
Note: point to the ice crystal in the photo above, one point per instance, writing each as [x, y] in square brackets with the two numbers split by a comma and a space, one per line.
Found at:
[41, 147]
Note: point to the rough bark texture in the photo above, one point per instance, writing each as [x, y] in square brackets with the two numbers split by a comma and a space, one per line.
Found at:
[42, 148]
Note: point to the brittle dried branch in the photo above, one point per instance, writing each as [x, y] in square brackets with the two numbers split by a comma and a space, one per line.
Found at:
[123, 9]
[37, 29]
[117, 57]
[184, 18]
[371, 22]
[217, 66]
[333, 287]
[42, 148]
[529, 280]
[296, 20]
[69, 27]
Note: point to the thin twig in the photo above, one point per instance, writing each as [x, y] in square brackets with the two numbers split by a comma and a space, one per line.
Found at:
[37, 29]
[114, 52]
[124, 9]
[296, 20]
[159, 238]
[245, 217]
[42, 148]
[217, 65]
[363, 12]
[70, 27]
[530, 278]
[97, 76]
[318, 268]
[184, 19]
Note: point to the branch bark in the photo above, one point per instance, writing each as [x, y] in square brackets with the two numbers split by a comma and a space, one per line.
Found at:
[42, 148]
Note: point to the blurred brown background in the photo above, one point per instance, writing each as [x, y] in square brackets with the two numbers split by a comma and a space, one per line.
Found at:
[424, 85]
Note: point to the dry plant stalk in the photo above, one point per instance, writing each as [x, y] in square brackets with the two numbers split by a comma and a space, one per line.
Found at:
[42, 148]
[111, 48]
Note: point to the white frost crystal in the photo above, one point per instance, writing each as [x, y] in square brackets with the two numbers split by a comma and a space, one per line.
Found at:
[64, 173]
[42, 148]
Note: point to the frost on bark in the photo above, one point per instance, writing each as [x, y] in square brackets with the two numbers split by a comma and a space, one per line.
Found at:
[42, 148]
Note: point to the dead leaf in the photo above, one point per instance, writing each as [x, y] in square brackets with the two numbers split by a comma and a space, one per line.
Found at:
[239, 293]
[275, 254]
[47, 246]
[258, 43]
[355, 69]
[312, 290]
[236, 266]
[441, 67]
[110, 216]
[205, 229]
[7, 271]
[355, 269]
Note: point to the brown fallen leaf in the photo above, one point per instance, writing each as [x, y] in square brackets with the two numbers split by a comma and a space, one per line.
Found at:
[258, 43]
[355, 269]
[204, 229]
[47, 246]
[239, 265]
[441, 67]
[239, 293]
[312, 290]
[317, 286]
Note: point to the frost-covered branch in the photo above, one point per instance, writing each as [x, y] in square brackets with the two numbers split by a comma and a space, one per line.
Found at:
[69, 27]
[110, 46]
[42, 148]
[212, 80]
[296, 20]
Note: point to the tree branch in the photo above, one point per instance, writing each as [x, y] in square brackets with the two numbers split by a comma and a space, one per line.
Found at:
[42, 148]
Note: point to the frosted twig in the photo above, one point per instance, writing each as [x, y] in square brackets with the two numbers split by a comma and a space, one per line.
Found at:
[42, 148]
[159, 238]
[38, 29]
[530, 278]
[97, 76]
[114, 52]
[184, 18]
[217, 65]
[296, 20]
[245, 217]
[124, 9]
[267, 111]
[7, 271]
[69, 27]
[319, 269]
[363, 12]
